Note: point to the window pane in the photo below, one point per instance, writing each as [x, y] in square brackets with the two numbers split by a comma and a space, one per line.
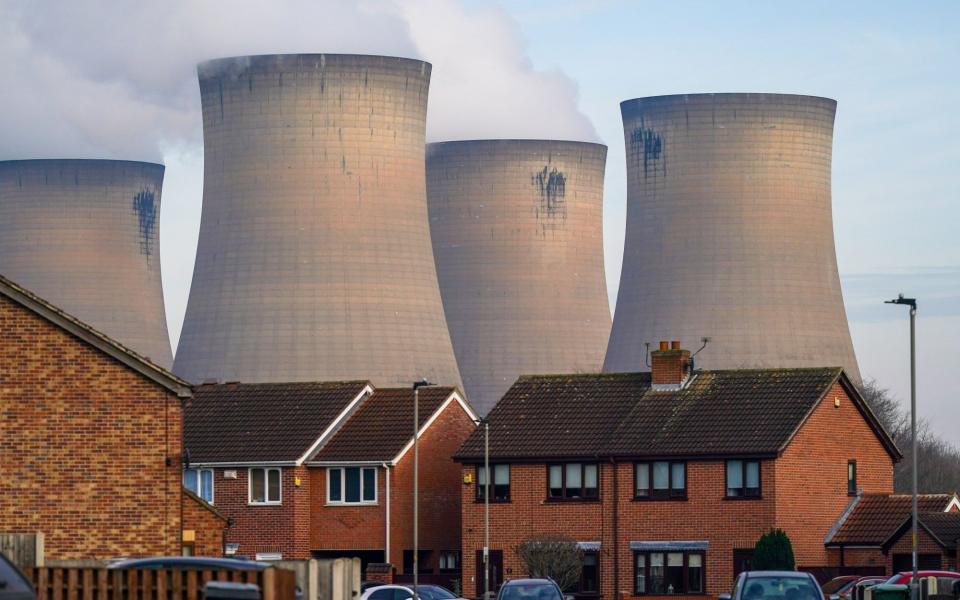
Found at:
[206, 485]
[641, 574]
[336, 493]
[678, 476]
[661, 475]
[556, 481]
[753, 475]
[369, 485]
[695, 573]
[656, 573]
[481, 476]
[273, 487]
[574, 483]
[501, 474]
[643, 479]
[734, 475]
[257, 486]
[588, 575]
[590, 476]
[352, 476]
[190, 480]
[674, 573]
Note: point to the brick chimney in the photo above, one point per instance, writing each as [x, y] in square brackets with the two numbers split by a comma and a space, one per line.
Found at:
[669, 367]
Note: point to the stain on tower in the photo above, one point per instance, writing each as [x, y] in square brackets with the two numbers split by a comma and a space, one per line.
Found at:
[75, 232]
[339, 286]
[520, 263]
[737, 244]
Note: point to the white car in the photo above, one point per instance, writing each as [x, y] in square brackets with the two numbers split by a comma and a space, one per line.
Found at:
[405, 592]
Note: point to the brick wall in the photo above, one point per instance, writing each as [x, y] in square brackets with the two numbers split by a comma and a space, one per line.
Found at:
[812, 474]
[206, 524]
[84, 442]
[357, 527]
[925, 545]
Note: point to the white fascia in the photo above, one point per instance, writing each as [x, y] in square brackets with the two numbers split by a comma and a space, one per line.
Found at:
[453, 397]
[335, 424]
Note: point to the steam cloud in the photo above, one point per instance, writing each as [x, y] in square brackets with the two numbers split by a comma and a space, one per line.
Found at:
[107, 79]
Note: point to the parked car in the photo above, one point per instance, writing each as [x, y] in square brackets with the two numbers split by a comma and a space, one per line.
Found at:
[530, 589]
[13, 584]
[838, 585]
[190, 562]
[856, 591]
[948, 577]
[774, 585]
[379, 591]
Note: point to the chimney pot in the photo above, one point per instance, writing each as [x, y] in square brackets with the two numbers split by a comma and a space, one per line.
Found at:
[669, 366]
[675, 345]
[664, 345]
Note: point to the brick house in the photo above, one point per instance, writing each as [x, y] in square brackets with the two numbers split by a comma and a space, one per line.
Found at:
[666, 479]
[875, 530]
[324, 470]
[90, 441]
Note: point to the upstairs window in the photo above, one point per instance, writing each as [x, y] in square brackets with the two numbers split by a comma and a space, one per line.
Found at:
[200, 482]
[352, 485]
[852, 477]
[499, 485]
[572, 481]
[743, 479]
[264, 486]
[660, 480]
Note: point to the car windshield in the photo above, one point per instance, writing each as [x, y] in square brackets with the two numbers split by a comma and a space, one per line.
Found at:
[835, 585]
[530, 591]
[434, 592]
[780, 588]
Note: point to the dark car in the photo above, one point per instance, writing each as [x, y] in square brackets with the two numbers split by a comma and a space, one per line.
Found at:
[856, 591]
[13, 584]
[947, 582]
[190, 562]
[838, 586]
[774, 585]
[530, 589]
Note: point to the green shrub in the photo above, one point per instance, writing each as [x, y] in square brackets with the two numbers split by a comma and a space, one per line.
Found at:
[773, 552]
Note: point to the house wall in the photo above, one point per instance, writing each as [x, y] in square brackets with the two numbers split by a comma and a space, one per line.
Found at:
[356, 527]
[811, 477]
[925, 545]
[84, 445]
[207, 526]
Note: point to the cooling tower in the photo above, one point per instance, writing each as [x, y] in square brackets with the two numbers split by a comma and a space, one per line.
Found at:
[518, 241]
[83, 235]
[730, 234]
[314, 260]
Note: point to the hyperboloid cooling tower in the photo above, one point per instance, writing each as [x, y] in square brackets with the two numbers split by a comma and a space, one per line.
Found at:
[518, 240]
[314, 260]
[83, 235]
[730, 234]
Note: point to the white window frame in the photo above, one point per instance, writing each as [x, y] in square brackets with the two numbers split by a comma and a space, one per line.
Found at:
[213, 490]
[343, 486]
[266, 486]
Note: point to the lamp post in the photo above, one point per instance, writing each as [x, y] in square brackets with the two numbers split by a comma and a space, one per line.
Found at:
[486, 509]
[416, 459]
[912, 303]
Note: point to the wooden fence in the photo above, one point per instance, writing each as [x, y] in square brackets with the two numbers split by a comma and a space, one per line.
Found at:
[23, 549]
[61, 583]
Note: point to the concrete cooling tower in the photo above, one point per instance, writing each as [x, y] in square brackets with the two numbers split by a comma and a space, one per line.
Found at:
[83, 235]
[730, 233]
[314, 259]
[518, 241]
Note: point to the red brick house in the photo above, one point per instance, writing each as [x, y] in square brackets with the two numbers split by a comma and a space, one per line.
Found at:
[667, 479]
[324, 470]
[90, 441]
[875, 531]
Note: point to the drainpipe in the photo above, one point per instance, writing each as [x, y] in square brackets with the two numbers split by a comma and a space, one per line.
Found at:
[386, 552]
[616, 532]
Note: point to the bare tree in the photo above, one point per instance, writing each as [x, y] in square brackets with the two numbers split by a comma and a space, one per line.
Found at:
[556, 557]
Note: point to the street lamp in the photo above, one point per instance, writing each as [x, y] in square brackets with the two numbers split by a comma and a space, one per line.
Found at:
[486, 509]
[912, 303]
[416, 459]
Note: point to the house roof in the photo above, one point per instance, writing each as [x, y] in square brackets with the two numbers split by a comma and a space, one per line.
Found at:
[264, 422]
[874, 518]
[945, 526]
[93, 337]
[747, 412]
[381, 428]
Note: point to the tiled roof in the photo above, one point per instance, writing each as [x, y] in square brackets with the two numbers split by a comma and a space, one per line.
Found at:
[876, 517]
[250, 422]
[382, 426]
[945, 526]
[720, 413]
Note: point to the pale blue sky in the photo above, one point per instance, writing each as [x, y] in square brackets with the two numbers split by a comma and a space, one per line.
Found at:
[894, 69]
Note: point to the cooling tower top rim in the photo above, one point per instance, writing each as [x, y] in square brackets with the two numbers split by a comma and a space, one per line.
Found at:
[235, 64]
[80, 162]
[727, 96]
[519, 141]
